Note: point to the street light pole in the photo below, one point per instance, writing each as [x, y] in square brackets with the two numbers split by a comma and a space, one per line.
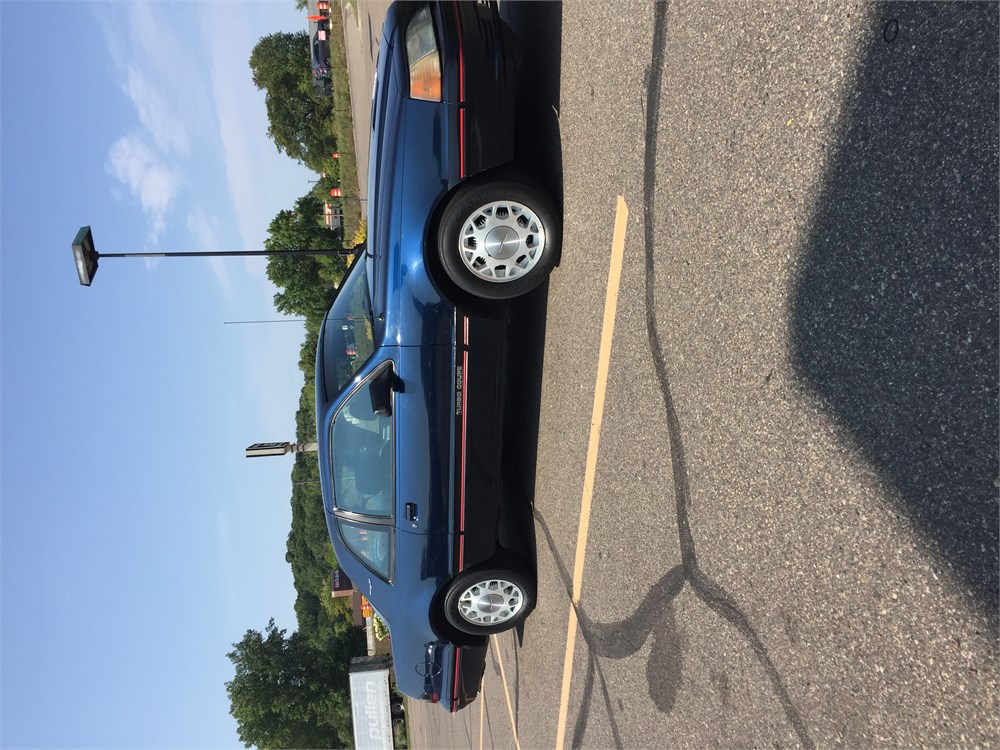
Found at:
[86, 256]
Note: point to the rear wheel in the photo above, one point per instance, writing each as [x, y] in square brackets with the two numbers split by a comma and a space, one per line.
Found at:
[498, 240]
[489, 600]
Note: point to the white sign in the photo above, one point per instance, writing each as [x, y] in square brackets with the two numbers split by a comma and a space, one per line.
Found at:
[370, 710]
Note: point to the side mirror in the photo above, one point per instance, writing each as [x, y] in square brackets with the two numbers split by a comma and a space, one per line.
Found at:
[380, 391]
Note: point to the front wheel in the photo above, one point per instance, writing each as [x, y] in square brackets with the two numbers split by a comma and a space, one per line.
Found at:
[499, 240]
[485, 601]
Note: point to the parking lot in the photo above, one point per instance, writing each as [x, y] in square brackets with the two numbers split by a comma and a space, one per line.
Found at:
[752, 418]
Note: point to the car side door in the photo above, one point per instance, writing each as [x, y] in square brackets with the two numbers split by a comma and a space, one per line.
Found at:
[424, 404]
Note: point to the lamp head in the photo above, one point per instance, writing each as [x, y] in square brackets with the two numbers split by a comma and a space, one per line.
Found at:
[85, 255]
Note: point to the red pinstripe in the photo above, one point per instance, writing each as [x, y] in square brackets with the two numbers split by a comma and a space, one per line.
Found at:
[461, 98]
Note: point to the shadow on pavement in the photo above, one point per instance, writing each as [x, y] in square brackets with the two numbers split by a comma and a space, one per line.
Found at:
[654, 618]
[894, 325]
[537, 27]
[894, 318]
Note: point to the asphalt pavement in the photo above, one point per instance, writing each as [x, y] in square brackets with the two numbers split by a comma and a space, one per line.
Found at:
[791, 538]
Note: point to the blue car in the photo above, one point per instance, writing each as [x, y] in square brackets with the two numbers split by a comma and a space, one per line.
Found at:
[409, 370]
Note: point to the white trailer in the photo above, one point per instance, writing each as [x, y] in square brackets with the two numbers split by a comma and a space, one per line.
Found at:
[370, 703]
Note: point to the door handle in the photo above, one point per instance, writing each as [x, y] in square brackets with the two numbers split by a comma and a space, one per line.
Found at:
[411, 511]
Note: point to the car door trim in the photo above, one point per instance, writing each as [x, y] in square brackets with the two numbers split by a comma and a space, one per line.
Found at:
[465, 411]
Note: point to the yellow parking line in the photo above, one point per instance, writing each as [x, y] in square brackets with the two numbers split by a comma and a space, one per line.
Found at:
[482, 709]
[506, 692]
[600, 388]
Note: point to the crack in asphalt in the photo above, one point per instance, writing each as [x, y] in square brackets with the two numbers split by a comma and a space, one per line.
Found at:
[655, 614]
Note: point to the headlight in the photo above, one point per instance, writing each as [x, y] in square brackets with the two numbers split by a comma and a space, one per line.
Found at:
[423, 58]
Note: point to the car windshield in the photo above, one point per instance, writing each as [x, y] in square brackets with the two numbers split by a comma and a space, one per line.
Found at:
[361, 458]
[347, 338]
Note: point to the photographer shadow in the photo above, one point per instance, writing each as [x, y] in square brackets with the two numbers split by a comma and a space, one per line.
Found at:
[894, 317]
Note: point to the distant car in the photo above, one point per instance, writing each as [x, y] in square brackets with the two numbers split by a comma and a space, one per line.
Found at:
[409, 395]
[322, 83]
[321, 52]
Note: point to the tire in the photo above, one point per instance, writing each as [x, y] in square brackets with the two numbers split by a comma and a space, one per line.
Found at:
[500, 239]
[489, 600]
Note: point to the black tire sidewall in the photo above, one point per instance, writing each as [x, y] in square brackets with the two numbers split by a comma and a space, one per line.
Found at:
[462, 582]
[471, 198]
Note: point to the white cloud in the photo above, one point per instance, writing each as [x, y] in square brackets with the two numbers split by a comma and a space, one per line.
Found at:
[159, 119]
[152, 182]
[203, 230]
[238, 108]
[159, 76]
[261, 180]
[198, 146]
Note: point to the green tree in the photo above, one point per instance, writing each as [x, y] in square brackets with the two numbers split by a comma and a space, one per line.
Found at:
[299, 119]
[302, 227]
[280, 59]
[287, 693]
[330, 179]
[308, 283]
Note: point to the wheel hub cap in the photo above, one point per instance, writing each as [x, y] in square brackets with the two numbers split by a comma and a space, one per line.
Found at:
[501, 241]
[490, 604]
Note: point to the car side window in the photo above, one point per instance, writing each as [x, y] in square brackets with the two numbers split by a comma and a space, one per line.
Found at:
[370, 543]
[361, 458]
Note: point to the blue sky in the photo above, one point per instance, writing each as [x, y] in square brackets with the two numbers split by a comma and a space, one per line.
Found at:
[137, 541]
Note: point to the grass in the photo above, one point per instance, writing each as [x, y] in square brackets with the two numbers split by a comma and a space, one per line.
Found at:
[343, 125]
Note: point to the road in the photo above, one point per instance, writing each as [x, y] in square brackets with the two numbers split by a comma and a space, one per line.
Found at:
[362, 31]
[790, 537]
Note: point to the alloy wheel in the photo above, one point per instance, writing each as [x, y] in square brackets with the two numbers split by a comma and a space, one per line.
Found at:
[501, 241]
[490, 602]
